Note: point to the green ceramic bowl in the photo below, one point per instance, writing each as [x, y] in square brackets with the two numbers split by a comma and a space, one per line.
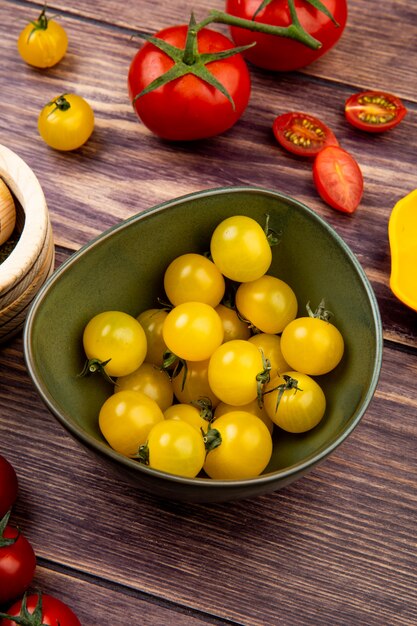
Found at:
[123, 269]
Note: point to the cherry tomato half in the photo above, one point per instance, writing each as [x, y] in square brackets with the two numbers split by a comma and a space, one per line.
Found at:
[338, 179]
[374, 111]
[8, 486]
[43, 42]
[302, 134]
[17, 562]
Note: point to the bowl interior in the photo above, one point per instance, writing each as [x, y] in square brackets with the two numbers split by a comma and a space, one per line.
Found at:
[123, 269]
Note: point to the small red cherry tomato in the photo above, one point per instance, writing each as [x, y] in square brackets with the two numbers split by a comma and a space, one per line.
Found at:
[8, 486]
[338, 179]
[36, 609]
[374, 111]
[302, 134]
[17, 562]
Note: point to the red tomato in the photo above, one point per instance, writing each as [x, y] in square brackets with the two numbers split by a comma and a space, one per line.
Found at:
[281, 53]
[8, 486]
[17, 562]
[338, 179]
[54, 612]
[374, 111]
[302, 134]
[189, 107]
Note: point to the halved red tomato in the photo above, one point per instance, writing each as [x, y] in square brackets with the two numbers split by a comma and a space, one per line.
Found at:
[338, 178]
[302, 134]
[374, 111]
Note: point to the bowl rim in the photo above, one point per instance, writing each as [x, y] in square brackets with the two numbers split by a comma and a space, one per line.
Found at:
[25, 186]
[264, 479]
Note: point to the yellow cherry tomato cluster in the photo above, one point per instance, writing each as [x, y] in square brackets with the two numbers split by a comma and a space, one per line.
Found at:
[199, 385]
[67, 120]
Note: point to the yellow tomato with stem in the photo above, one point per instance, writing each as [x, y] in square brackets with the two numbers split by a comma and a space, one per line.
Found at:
[126, 418]
[43, 42]
[191, 384]
[66, 122]
[245, 448]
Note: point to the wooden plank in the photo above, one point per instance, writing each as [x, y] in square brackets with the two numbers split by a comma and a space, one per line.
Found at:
[335, 547]
[95, 601]
[124, 169]
[366, 63]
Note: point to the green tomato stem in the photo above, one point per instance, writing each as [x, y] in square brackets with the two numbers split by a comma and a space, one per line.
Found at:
[293, 31]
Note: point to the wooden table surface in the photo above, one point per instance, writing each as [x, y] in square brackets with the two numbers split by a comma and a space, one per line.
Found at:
[338, 547]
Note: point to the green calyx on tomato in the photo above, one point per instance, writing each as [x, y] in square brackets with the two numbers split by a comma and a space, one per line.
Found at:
[263, 378]
[188, 60]
[290, 383]
[6, 541]
[25, 618]
[320, 313]
[314, 3]
[212, 438]
[61, 103]
[205, 406]
[92, 366]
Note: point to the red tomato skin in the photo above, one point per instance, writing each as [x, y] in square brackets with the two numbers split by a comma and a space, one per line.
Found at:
[54, 611]
[188, 108]
[353, 108]
[8, 486]
[345, 198]
[281, 53]
[17, 566]
[288, 123]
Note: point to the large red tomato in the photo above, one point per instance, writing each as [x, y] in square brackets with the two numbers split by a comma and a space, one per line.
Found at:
[282, 53]
[189, 107]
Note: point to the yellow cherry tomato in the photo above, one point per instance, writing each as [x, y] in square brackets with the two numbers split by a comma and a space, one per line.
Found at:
[268, 303]
[187, 413]
[294, 401]
[311, 345]
[191, 384]
[239, 247]
[118, 338]
[177, 448]
[192, 331]
[193, 278]
[233, 371]
[66, 122]
[233, 326]
[252, 407]
[126, 418]
[152, 381]
[270, 346]
[245, 448]
[152, 321]
[43, 42]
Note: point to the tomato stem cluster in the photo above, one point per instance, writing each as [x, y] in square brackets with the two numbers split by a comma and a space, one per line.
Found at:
[26, 618]
[189, 61]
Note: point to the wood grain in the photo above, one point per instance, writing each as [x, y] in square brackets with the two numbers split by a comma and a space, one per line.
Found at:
[335, 548]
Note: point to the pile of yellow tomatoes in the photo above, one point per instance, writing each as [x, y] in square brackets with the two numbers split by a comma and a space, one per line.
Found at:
[200, 384]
